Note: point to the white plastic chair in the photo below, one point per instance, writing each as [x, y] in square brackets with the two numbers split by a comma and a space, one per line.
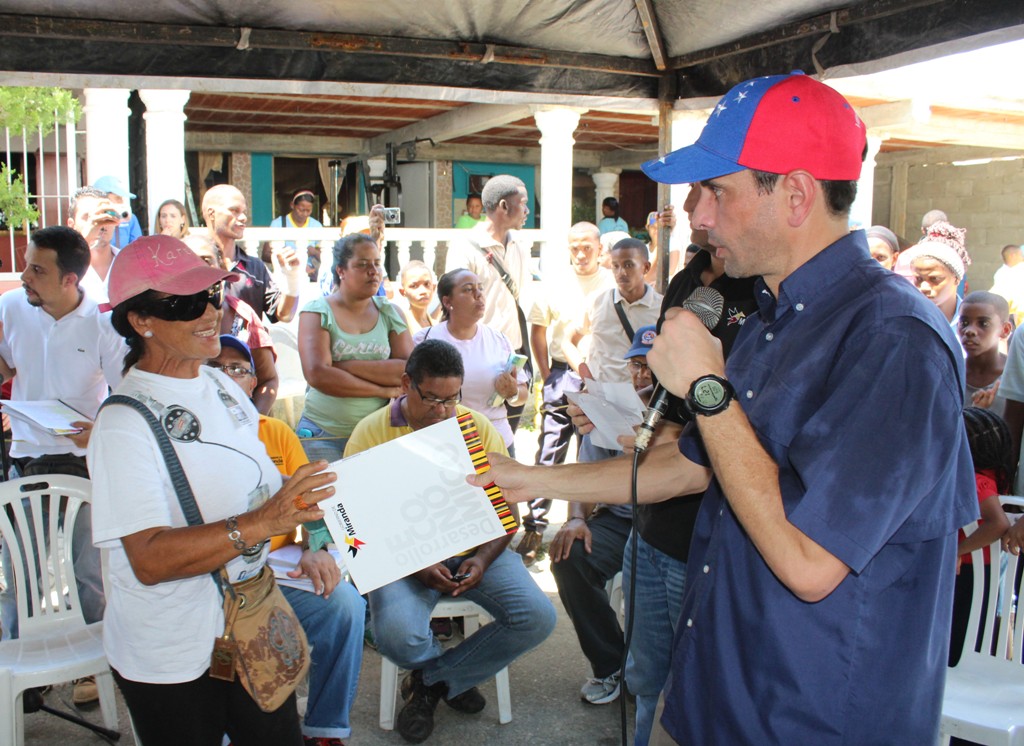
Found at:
[985, 691]
[472, 615]
[54, 643]
[614, 590]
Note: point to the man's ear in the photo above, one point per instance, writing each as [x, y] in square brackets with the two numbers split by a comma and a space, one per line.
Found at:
[801, 192]
[1007, 330]
[406, 383]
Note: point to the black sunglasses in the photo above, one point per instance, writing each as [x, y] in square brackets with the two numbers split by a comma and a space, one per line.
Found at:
[187, 307]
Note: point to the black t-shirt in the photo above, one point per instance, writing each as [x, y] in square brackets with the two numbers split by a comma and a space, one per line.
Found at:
[668, 526]
[255, 285]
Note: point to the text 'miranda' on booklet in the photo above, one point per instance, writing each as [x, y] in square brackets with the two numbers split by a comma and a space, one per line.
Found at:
[405, 505]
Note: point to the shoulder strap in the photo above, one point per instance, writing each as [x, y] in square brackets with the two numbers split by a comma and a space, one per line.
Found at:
[502, 272]
[181, 486]
[626, 326]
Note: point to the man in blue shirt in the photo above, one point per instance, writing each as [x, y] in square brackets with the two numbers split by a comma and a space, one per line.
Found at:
[819, 595]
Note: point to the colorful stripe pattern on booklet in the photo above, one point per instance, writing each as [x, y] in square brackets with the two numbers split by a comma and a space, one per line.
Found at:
[479, 457]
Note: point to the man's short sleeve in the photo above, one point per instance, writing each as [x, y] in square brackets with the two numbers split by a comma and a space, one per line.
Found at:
[845, 483]
[1011, 385]
[540, 311]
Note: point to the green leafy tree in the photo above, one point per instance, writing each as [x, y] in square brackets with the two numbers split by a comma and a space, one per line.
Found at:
[28, 111]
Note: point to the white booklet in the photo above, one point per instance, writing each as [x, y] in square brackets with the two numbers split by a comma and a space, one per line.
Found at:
[405, 505]
[51, 415]
[284, 560]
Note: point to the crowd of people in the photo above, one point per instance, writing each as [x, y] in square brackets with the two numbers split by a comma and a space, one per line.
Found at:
[759, 552]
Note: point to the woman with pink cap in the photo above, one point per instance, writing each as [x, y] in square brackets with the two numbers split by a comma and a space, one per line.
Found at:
[164, 610]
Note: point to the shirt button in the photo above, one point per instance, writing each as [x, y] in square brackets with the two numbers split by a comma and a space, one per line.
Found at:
[799, 306]
[769, 336]
[707, 569]
[750, 394]
[689, 622]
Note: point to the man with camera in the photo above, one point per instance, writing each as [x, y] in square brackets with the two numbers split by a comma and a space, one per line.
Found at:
[93, 215]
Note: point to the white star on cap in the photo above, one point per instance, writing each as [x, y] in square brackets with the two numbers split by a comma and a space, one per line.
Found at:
[740, 96]
[662, 160]
[719, 109]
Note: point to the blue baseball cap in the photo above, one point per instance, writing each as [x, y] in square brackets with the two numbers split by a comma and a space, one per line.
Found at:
[642, 341]
[113, 185]
[230, 340]
[778, 124]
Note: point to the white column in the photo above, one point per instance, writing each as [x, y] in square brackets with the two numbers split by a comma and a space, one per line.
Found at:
[556, 127]
[165, 147]
[686, 128]
[860, 213]
[106, 133]
[606, 183]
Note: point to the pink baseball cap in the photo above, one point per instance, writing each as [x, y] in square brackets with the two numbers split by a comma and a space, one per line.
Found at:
[778, 124]
[161, 263]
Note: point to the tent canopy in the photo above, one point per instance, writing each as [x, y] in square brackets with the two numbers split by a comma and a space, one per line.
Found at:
[615, 48]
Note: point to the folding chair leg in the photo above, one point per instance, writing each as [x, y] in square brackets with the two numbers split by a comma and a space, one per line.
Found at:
[388, 693]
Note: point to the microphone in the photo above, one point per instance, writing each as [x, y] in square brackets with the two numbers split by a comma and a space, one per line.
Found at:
[706, 303]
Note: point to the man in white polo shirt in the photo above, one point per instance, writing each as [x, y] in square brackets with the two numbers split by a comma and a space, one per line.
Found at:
[61, 347]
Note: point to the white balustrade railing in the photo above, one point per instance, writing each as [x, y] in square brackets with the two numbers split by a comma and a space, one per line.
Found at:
[409, 243]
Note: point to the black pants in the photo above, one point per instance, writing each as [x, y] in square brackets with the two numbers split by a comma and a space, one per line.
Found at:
[581, 580]
[200, 712]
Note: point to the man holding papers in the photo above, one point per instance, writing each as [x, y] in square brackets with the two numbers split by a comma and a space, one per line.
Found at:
[62, 348]
[487, 575]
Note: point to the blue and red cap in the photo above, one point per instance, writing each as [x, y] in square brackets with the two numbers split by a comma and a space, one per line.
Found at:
[778, 124]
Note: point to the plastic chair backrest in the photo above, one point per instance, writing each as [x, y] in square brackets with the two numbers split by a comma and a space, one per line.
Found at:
[43, 506]
[987, 602]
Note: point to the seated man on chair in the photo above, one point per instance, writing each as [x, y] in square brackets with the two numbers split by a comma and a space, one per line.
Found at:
[488, 575]
[332, 614]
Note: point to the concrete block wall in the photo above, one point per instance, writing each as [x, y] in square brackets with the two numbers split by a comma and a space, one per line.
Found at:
[985, 198]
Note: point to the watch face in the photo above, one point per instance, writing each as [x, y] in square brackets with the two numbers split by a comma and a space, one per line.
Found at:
[708, 393]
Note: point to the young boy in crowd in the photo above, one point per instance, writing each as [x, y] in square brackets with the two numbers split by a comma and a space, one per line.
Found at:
[984, 323]
[417, 288]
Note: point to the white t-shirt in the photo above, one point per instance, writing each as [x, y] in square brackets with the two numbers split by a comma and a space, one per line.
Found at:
[484, 357]
[164, 633]
[73, 359]
[464, 253]
[562, 303]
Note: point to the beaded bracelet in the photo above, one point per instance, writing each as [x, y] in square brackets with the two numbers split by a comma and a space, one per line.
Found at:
[234, 535]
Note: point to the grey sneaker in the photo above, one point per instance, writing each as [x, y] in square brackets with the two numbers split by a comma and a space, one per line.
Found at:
[601, 691]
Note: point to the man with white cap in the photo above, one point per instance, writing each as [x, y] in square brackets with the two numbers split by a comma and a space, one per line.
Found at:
[818, 602]
[128, 229]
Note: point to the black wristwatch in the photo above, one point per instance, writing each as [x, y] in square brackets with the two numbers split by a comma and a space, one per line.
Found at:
[709, 395]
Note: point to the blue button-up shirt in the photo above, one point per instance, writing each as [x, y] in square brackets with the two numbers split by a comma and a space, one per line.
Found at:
[854, 385]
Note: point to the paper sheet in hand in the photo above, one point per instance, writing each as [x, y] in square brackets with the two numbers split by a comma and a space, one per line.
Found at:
[285, 559]
[405, 505]
[614, 408]
[51, 415]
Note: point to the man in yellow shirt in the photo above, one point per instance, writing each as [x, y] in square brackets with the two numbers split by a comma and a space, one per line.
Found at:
[489, 575]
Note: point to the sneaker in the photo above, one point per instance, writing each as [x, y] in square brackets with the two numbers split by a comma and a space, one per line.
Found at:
[601, 691]
[469, 702]
[416, 719]
[529, 546]
[321, 741]
[85, 691]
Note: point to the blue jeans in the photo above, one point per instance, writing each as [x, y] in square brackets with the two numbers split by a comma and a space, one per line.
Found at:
[523, 618]
[660, 580]
[320, 444]
[334, 627]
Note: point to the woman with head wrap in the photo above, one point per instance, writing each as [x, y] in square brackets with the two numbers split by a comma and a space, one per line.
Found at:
[883, 245]
[939, 262]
